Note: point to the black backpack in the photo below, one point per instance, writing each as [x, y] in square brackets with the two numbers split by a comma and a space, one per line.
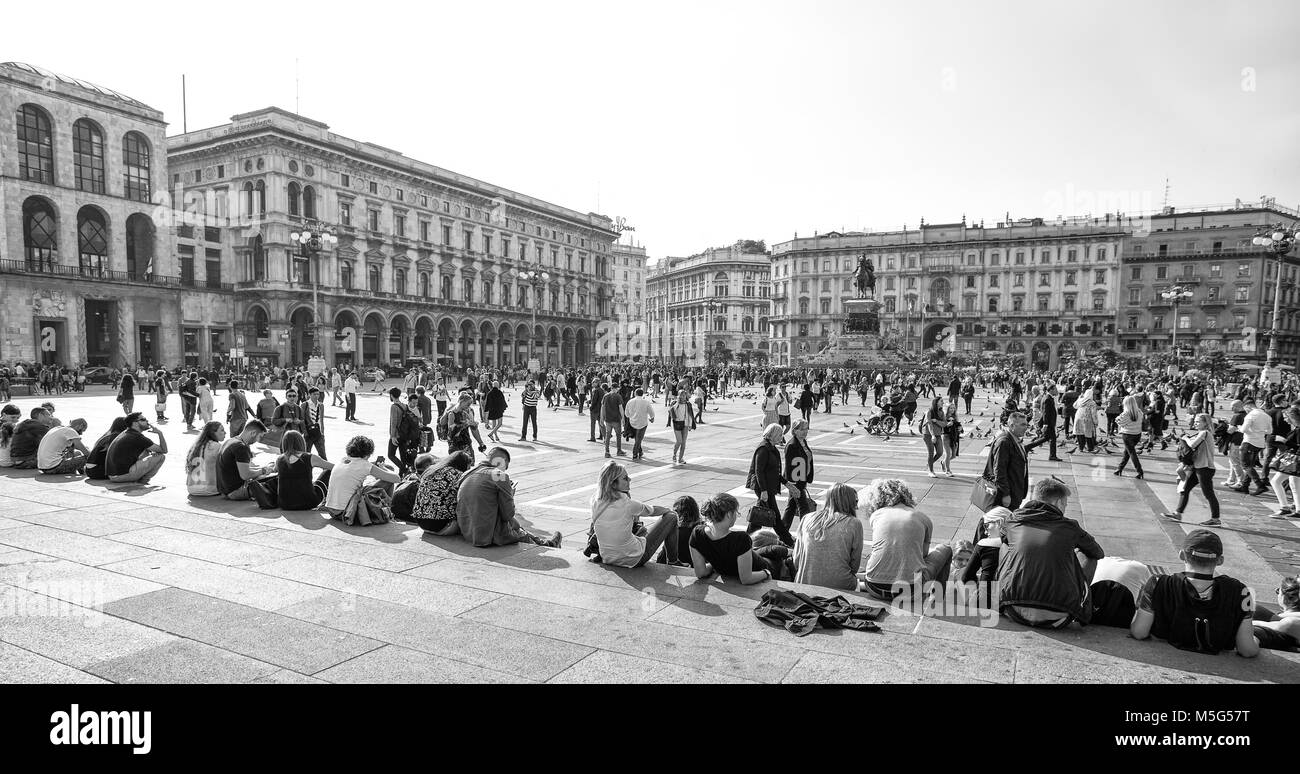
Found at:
[1186, 454]
[408, 428]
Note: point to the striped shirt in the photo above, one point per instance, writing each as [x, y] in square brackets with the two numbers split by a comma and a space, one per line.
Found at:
[530, 398]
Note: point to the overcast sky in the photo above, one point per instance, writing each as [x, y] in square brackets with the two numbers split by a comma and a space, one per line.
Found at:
[706, 122]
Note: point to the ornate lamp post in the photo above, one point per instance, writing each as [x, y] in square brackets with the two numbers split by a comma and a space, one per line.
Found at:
[1176, 294]
[713, 306]
[1278, 240]
[310, 243]
[536, 279]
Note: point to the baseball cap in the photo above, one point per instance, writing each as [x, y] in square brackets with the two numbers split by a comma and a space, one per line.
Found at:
[1203, 544]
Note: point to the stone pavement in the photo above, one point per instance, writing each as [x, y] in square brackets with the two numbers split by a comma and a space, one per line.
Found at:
[140, 584]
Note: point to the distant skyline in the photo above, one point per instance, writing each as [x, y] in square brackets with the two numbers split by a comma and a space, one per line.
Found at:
[703, 123]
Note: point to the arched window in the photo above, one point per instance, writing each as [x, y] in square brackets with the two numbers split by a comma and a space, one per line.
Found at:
[260, 188]
[261, 323]
[293, 198]
[375, 280]
[88, 156]
[747, 325]
[136, 166]
[345, 275]
[762, 325]
[469, 290]
[399, 282]
[247, 205]
[803, 306]
[139, 246]
[425, 284]
[35, 145]
[40, 234]
[92, 241]
[309, 202]
[259, 258]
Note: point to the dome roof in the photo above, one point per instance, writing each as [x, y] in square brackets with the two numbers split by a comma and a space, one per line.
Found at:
[42, 72]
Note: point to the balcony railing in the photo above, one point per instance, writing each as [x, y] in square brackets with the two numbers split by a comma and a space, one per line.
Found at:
[91, 274]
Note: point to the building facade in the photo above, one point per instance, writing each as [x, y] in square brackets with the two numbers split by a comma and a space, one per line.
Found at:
[626, 334]
[1224, 285]
[88, 273]
[1033, 291]
[429, 263]
[711, 307]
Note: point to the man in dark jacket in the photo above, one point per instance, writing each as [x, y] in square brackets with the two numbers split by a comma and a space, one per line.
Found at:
[597, 395]
[1008, 465]
[1046, 566]
[1068, 400]
[1047, 426]
[798, 472]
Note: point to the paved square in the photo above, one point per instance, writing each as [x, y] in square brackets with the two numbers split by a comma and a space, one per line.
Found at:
[139, 583]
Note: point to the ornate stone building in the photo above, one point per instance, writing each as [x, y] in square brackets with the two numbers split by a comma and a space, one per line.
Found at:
[1207, 254]
[427, 264]
[710, 305]
[626, 334]
[87, 269]
[1035, 291]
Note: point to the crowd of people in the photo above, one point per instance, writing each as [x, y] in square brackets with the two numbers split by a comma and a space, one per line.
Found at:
[1026, 559]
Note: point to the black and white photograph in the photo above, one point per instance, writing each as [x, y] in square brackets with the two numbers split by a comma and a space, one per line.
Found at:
[679, 344]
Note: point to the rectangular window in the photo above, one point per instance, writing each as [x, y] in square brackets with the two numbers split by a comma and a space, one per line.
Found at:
[1135, 295]
[1162, 250]
[1098, 303]
[399, 225]
[345, 213]
[1099, 277]
[1211, 323]
[1243, 270]
[1072, 256]
[1069, 302]
[1132, 321]
[401, 195]
[1044, 279]
[372, 220]
[446, 235]
[1184, 322]
[213, 267]
[970, 280]
[1101, 253]
[187, 265]
[221, 171]
[1071, 277]
[505, 247]
[1044, 255]
[469, 240]
[1216, 270]
[1189, 270]
[1043, 302]
[993, 280]
[1158, 321]
[1135, 273]
[1243, 293]
[890, 304]
[374, 187]
[424, 231]
[1020, 280]
[1162, 272]
[1018, 303]
[487, 244]
[345, 180]
[993, 304]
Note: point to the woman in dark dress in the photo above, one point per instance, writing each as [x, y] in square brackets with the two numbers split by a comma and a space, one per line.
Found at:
[298, 489]
[126, 393]
[716, 548]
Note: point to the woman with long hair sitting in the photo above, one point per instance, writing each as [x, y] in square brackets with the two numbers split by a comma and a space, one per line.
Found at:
[615, 518]
[829, 549]
[201, 462]
[299, 490]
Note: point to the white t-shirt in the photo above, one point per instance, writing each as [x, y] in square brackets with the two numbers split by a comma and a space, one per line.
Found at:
[50, 452]
[1126, 572]
[346, 478]
[618, 546]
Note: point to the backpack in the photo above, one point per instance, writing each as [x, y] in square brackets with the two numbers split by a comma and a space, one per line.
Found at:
[1186, 454]
[408, 428]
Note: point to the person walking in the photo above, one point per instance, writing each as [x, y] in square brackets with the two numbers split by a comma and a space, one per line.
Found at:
[682, 420]
[126, 393]
[205, 401]
[530, 397]
[765, 478]
[640, 413]
[1007, 468]
[237, 409]
[1129, 424]
[1198, 470]
[1047, 426]
[797, 473]
[611, 419]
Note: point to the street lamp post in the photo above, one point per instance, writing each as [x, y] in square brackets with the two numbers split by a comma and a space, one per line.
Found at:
[535, 279]
[1278, 241]
[713, 306]
[1177, 294]
[310, 243]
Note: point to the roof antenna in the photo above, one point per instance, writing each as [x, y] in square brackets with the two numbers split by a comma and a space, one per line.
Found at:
[1166, 204]
[185, 111]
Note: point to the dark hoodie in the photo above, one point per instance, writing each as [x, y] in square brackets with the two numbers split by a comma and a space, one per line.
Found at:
[1038, 566]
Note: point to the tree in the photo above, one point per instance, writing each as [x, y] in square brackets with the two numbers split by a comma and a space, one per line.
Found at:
[1214, 361]
[752, 245]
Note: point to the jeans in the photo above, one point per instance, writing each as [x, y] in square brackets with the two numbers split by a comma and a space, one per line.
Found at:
[188, 407]
[404, 456]
[935, 567]
[609, 427]
[1249, 459]
[143, 469]
[594, 421]
[350, 413]
[637, 451]
[1130, 451]
[316, 442]
[530, 414]
[662, 532]
[1205, 477]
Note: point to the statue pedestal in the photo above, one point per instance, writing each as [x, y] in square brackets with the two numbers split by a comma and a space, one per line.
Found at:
[861, 345]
